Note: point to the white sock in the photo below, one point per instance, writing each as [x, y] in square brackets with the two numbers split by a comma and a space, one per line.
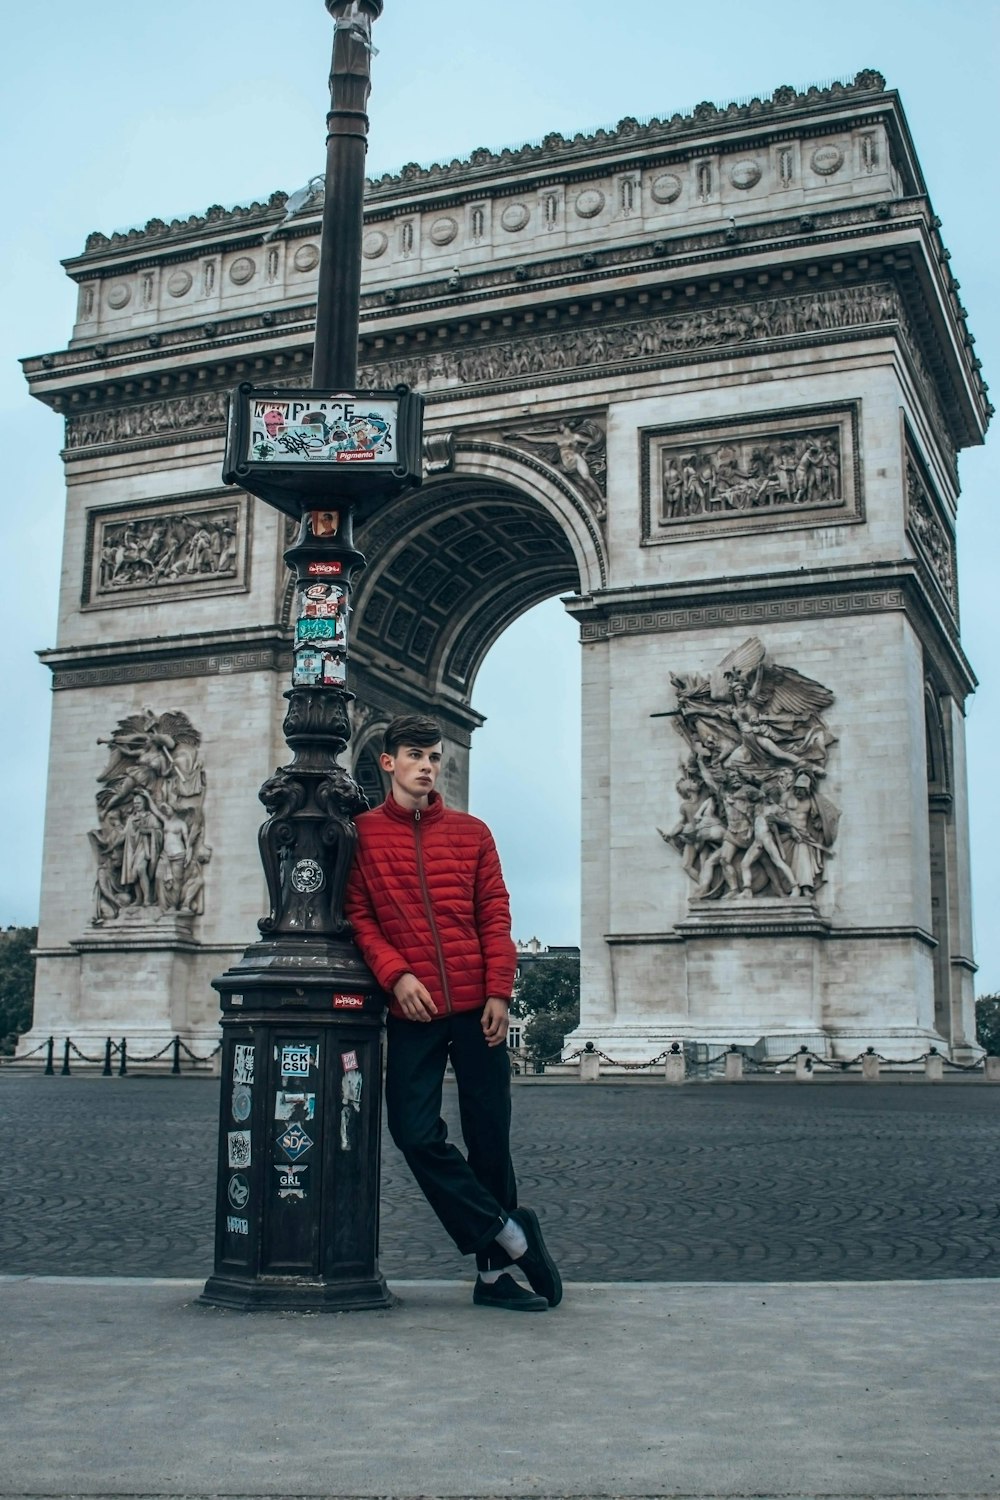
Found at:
[489, 1277]
[511, 1238]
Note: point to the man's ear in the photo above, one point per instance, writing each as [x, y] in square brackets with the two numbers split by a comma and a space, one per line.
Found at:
[387, 762]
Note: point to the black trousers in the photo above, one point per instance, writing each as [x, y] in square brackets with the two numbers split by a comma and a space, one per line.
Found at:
[470, 1196]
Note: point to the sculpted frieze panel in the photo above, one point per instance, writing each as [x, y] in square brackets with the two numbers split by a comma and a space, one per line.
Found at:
[797, 469]
[165, 549]
[203, 409]
[753, 820]
[671, 334]
[150, 840]
[931, 535]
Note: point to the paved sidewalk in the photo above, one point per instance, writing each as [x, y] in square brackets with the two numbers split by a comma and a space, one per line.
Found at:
[128, 1387]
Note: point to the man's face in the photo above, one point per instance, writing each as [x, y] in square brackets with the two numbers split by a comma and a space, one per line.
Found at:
[414, 770]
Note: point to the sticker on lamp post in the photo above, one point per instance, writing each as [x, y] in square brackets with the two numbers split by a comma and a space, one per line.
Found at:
[345, 429]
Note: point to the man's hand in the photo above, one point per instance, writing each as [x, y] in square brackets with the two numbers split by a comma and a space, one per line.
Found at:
[495, 1020]
[414, 1001]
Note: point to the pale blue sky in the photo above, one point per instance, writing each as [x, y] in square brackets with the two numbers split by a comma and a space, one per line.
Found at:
[114, 113]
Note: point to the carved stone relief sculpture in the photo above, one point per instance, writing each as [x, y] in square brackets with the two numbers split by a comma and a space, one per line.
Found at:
[577, 447]
[933, 539]
[744, 473]
[150, 840]
[753, 821]
[164, 548]
[682, 334]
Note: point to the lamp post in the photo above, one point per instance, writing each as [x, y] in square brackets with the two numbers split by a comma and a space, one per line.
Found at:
[303, 1029]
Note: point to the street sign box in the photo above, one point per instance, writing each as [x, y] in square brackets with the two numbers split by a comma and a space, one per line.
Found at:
[297, 449]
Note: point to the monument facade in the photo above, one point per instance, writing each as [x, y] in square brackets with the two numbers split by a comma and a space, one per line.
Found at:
[707, 378]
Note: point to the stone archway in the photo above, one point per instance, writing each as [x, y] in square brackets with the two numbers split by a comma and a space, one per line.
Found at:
[710, 376]
[449, 568]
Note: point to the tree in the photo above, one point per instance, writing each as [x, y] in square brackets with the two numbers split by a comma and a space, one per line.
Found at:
[547, 997]
[988, 1023]
[17, 984]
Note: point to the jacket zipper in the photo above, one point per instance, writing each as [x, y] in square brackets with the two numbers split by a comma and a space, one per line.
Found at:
[430, 910]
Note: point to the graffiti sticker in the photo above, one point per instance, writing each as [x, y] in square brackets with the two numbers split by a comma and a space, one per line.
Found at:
[294, 1106]
[350, 1096]
[237, 1226]
[242, 1102]
[243, 1064]
[239, 1148]
[348, 1002]
[239, 1191]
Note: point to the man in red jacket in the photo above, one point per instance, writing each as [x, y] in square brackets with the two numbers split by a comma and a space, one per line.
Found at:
[431, 916]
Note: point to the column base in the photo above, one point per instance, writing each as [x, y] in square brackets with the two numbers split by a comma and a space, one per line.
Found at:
[296, 1294]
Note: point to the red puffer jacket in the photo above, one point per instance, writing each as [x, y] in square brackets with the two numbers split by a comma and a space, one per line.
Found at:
[426, 896]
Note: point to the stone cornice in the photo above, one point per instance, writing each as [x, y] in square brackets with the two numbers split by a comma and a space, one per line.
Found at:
[760, 600]
[904, 242]
[158, 658]
[706, 127]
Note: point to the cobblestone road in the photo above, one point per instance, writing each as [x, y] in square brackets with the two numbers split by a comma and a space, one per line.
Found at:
[764, 1181]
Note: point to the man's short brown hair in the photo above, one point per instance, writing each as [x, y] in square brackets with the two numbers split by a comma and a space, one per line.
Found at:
[411, 729]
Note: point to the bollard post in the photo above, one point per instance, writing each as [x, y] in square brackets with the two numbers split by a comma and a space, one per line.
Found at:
[590, 1064]
[934, 1066]
[870, 1066]
[65, 1062]
[175, 1066]
[992, 1069]
[734, 1065]
[106, 1070]
[50, 1052]
[674, 1068]
[804, 1066]
[122, 1060]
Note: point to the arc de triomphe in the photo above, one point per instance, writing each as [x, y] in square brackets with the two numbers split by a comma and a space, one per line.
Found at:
[707, 377]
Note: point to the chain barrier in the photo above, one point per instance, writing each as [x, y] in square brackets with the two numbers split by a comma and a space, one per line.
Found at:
[70, 1050]
[7, 1061]
[812, 1059]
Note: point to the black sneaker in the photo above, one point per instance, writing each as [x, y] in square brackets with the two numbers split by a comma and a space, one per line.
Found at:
[507, 1293]
[536, 1262]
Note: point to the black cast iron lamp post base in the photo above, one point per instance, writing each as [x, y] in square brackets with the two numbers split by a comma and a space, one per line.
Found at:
[303, 1018]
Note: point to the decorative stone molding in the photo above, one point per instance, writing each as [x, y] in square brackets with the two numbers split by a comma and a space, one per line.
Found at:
[628, 133]
[150, 843]
[166, 549]
[791, 469]
[760, 611]
[745, 173]
[514, 217]
[753, 822]
[826, 160]
[179, 283]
